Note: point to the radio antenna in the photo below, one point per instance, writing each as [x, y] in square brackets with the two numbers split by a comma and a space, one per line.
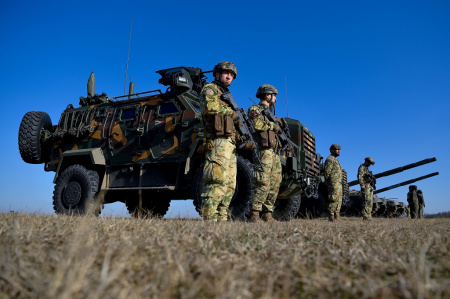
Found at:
[287, 107]
[128, 58]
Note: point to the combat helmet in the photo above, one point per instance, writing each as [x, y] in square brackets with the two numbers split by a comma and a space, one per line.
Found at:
[265, 88]
[335, 146]
[225, 66]
[371, 161]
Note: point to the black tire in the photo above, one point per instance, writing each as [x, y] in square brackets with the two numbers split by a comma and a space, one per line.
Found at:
[240, 203]
[287, 209]
[153, 205]
[31, 148]
[352, 212]
[76, 192]
[311, 208]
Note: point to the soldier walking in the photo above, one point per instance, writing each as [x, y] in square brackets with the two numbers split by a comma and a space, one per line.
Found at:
[268, 181]
[413, 202]
[333, 177]
[365, 179]
[219, 120]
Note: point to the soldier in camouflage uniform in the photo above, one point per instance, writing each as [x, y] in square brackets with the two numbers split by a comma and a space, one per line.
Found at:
[413, 202]
[421, 202]
[268, 181]
[219, 173]
[365, 179]
[333, 177]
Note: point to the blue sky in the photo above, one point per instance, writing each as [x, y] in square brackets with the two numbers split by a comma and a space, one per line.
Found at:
[372, 76]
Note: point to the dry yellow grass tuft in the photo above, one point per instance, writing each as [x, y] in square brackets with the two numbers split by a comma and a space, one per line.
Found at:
[80, 257]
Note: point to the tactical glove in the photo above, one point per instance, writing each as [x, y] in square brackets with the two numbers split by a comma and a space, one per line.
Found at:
[276, 128]
[236, 119]
[249, 146]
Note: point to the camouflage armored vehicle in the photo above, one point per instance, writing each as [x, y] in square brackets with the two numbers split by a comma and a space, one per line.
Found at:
[146, 149]
[382, 207]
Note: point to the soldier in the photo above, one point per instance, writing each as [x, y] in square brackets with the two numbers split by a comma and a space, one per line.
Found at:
[219, 120]
[268, 181]
[413, 202]
[421, 202]
[333, 177]
[365, 178]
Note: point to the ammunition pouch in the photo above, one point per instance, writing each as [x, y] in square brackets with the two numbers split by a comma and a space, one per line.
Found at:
[264, 139]
[223, 125]
[268, 139]
[218, 125]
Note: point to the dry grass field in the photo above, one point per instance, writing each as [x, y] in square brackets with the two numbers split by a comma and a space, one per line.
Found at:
[77, 257]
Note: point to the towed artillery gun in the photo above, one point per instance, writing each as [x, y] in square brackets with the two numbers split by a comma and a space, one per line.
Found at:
[146, 149]
[382, 207]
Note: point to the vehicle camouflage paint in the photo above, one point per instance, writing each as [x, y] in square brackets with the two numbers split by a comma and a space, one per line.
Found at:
[146, 149]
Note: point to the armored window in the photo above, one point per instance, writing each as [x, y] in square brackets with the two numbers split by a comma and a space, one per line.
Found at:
[167, 109]
[128, 113]
[100, 113]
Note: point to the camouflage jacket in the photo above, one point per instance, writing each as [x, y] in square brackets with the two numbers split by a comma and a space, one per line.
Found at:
[211, 104]
[333, 170]
[412, 198]
[262, 125]
[364, 175]
[420, 199]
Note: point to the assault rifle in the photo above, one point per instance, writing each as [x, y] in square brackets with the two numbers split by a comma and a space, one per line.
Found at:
[369, 177]
[245, 130]
[283, 134]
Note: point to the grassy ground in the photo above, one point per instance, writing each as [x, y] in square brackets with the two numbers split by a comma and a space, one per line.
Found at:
[78, 257]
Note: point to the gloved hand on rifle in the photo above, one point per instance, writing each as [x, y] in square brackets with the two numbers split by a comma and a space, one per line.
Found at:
[275, 128]
[236, 119]
[249, 146]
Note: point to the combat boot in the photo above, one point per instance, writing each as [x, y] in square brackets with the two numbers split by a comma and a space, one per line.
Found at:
[331, 218]
[336, 216]
[267, 216]
[254, 217]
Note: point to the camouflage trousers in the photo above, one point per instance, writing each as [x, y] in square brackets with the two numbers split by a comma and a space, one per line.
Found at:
[334, 202]
[219, 175]
[367, 197]
[420, 214]
[267, 183]
[414, 209]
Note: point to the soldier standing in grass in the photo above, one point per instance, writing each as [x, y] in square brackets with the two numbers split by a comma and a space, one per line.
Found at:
[333, 177]
[365, 178]
[219, 173]
[268, 181]
[421, 202]
[413, 202]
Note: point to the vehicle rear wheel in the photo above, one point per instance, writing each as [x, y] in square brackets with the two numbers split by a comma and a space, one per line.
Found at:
[240, 203]
[153, 206]
[287, 209]
[312, 207]
[76, 192]
[31, 146]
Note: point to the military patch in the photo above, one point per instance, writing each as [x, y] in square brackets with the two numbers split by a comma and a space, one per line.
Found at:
[254, 114]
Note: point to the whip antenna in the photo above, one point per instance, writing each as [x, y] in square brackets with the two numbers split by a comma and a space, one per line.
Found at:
[128, 58]
[287, 107]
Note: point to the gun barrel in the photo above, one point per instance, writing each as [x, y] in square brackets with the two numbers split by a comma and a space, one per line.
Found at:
[406, 182]
[396, 170]
[406, 167]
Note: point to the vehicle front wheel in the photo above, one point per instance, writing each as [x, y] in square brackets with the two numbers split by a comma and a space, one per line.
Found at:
[76, 192]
